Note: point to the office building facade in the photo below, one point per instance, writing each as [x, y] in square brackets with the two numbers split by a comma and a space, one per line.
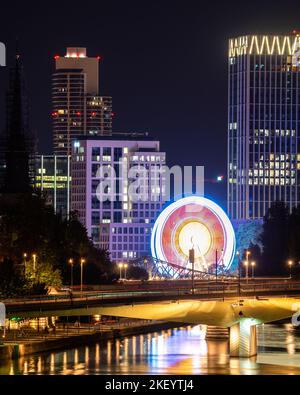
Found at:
[77, 107]
[52, 177]
[122, 224]
[263, 124]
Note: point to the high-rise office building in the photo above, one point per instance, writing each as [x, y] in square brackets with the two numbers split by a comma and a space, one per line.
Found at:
[77, 108]
[123, 224]
[263, 123]
[52, 177]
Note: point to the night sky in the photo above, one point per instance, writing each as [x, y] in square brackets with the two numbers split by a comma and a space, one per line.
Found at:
[164, 63]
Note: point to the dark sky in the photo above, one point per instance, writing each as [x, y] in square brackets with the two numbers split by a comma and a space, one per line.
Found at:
[164, 64]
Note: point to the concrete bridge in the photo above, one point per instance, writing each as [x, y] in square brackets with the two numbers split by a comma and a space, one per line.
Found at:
[240, 308]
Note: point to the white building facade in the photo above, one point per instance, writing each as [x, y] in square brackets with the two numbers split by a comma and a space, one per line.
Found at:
[117, 218]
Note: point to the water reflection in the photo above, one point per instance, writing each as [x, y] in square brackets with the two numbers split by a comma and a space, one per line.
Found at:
[173, 351]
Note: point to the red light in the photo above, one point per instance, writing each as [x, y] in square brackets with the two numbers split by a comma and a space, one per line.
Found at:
[78, 113]
[93, 114]
[54, 114]
[99, 57]
[56, 57]
[113, 114]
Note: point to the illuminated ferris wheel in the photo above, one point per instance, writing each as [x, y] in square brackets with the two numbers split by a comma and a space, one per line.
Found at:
[194, 223]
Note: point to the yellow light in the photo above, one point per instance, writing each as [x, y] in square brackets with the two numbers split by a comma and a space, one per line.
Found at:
[195, 234]
[253, 263]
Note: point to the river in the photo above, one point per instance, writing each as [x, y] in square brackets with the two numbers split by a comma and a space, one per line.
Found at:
[175, 351]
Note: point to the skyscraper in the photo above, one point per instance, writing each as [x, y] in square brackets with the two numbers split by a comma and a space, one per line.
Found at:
[263, 123]
[52, 177]
[77, 107]
[17, 146]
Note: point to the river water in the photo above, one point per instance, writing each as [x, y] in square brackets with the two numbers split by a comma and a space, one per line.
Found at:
[174, 351]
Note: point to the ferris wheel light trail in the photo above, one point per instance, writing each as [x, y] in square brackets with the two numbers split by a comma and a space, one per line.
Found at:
[195, 222]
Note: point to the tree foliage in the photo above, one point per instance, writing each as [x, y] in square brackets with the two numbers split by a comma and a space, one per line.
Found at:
[28, 225]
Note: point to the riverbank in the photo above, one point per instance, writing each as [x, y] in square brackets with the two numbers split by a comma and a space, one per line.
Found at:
[20, 348]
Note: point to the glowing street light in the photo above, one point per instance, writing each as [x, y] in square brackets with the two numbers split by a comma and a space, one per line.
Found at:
[239, 272]
[24, 262]
[246, 263]
[120, 267]
[71, 262]
[82, 261]
[34, 263]
[290, 263]
[253, 266]
[125, 267]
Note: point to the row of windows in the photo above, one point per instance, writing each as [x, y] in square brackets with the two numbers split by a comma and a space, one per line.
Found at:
[106, 217]
[137, 247]
[130, 239]
[131, 230]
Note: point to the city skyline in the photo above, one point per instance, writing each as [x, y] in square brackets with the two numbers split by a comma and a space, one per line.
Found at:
[143, 68]
[149, 200]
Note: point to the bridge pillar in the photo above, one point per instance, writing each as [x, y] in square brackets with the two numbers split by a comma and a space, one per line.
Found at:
[243, 339]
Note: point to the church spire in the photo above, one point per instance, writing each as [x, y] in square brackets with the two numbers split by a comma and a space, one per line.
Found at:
[17, 141]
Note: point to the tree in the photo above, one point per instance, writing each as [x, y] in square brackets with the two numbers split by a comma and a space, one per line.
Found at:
[28, 225]
[275, 240]
[43, 274]
[137, 273]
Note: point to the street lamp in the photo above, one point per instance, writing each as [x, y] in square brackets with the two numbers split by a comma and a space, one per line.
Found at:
[239, 272]
[82, 261]
[34, 263]
[24, 263]
[246, 265]
[253, 266]
[71, 261]
[290, 263]
[120, 267]
[125, 267]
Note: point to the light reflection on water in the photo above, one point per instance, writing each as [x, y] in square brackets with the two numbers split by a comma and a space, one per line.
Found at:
[172, 351]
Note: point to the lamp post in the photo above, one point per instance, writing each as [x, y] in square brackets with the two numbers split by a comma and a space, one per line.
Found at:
[24, 263]
[82, 261]
[71, 261]
[246, 265]
[252, 267]
[34, 263]
[290, 263]
[192, 261]
[216, 266]
[120, 267]
[239, 273]
[125, 267]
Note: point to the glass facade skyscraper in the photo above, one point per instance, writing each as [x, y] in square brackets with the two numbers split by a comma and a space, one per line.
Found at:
[52, 177]
[263, 124]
